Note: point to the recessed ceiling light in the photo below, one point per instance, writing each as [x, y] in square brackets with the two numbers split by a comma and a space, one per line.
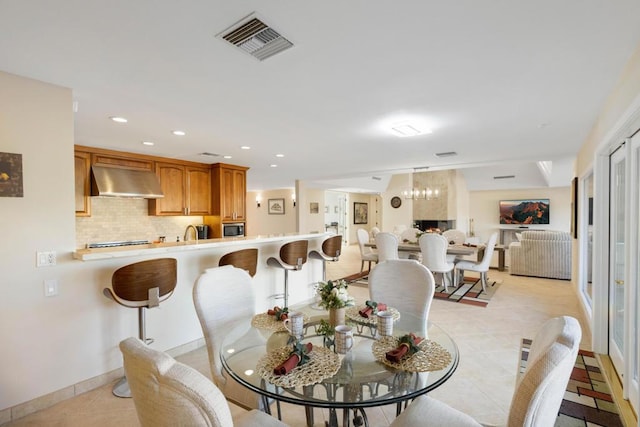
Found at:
[245, 147]
[227, 157]
[118, 119]
[405, 130]
[148, 143]
[279, 155]
[179, 132]
[273, 166]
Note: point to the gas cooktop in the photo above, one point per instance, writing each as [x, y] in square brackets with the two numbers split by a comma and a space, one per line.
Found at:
[116, 244]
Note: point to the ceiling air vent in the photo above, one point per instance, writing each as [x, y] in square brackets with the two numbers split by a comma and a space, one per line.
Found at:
[255, 38]
[447, 154]
[504, 177]
[207, 154]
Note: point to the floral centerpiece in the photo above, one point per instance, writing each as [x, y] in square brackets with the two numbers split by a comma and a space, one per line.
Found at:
[335, 297]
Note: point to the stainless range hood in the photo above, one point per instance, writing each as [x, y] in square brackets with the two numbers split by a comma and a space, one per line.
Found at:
[117, 182]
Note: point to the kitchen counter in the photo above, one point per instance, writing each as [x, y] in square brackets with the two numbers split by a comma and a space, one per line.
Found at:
[191, 245]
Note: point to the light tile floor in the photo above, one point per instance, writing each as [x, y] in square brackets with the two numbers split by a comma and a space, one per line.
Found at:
[488, 339]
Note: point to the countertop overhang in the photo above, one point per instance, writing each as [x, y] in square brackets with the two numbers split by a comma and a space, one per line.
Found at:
[191, 245]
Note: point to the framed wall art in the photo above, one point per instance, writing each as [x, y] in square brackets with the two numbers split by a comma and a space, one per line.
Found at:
[11, 175]
[360, 213]
[275, 206]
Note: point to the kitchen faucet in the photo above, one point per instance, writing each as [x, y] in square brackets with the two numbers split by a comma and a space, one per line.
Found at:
[186, 232]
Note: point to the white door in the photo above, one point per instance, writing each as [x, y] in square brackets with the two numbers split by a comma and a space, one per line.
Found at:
[633, 384]
[617, 307]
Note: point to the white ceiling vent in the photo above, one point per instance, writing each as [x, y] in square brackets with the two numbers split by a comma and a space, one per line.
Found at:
[255, 38]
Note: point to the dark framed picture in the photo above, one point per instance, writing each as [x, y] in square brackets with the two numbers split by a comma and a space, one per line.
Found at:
[314, 207]
[360, 213]
[11, 175]
[275, 206]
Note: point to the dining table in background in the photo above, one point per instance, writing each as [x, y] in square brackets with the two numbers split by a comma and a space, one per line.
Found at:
[361, 380]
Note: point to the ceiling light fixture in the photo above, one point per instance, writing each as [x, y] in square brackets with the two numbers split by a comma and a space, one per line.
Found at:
[149, 143]
[273, 166]
[404, 131]
[279, 155]
[245, 147]
[227, 157]
[179, 132]
[118, 119]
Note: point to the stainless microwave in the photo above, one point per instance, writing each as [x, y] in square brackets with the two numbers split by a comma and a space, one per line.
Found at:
[233, 230]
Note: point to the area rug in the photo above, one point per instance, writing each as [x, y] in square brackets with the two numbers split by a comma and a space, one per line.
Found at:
[587, 401]
[469, 292]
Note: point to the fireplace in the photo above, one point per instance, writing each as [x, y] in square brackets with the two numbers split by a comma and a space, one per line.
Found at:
[428, 224]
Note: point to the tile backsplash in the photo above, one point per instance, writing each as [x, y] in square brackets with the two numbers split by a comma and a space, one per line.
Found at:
[116, 218]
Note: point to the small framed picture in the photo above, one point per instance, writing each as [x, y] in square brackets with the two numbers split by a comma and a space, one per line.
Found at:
[314, 207]
[275, 206]
[360, 213]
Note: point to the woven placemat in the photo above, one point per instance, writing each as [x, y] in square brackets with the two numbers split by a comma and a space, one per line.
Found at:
[323, 363]
[353, 314]
[269, 322]
[431, 357]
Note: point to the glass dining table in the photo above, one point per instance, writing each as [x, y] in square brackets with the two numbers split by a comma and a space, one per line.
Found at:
[360, 378]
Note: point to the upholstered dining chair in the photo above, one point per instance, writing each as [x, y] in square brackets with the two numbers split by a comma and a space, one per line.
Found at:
[454, 236]
[434, 256]
[538, 394]
[223, 296]
[374, 231]
[481, 267]
[387, 245]
[366, 253]
[168, 393]
[410, 235]
[406, 285]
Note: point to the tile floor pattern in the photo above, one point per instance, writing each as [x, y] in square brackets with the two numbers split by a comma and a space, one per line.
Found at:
[488, 339]
[588, 400]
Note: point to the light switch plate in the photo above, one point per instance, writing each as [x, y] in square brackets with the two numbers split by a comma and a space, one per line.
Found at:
[50, 287]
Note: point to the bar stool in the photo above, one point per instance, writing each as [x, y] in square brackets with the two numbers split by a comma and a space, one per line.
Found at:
[330, 252]
[142, 285]
[246, 259]
[292, 256]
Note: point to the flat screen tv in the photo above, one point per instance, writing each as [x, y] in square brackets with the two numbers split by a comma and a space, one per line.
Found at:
[524, 212]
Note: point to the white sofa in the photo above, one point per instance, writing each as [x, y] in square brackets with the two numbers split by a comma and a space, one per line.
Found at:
[542, 254]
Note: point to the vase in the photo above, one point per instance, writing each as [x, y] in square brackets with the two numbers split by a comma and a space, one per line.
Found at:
[336, 316]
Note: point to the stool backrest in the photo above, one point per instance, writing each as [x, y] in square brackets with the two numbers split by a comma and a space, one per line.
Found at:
[295, 253]
[132, 282]
[246, 259]
[332, 246]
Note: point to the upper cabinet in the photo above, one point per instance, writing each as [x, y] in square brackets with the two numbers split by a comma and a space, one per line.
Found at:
[229, 192]
[83, 183]
[186, 189]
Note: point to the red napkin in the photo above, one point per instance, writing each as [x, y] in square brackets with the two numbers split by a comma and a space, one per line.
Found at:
[398, 353]
[290, 363]
[367, 311]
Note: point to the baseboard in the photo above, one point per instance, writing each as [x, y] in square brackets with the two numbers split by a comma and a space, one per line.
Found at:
[627, 414]
[46, 401]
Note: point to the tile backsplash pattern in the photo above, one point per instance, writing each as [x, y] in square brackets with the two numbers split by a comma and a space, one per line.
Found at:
[116, 219]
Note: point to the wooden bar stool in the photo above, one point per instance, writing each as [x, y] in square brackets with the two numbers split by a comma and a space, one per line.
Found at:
[142, 285]
[293, 256]
[331, 248]
[246, 259]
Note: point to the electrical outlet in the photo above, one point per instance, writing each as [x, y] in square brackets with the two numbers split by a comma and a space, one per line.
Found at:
[50, 287]
[45, 259]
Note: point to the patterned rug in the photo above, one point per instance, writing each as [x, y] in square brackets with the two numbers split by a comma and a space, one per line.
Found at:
[587, 401]
[469, 292]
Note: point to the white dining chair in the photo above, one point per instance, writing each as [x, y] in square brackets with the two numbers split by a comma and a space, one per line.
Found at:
[169, 393]
[407, 286]
[223, 296]
[455, 237]
[374, 231]
[538, 394]
[366, 253]
[387, 245]
[481, 267]
[434, 256]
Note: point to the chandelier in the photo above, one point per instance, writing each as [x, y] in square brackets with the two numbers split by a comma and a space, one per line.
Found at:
[427, 193]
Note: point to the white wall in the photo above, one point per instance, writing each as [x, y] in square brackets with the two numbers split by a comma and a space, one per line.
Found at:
[260, 222]
[402, 215]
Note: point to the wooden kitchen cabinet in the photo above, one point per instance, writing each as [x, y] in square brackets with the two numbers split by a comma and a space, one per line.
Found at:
[229, 184]
[186, 189]
[82, 168]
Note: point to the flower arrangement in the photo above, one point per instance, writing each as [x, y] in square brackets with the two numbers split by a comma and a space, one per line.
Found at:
[333, 294]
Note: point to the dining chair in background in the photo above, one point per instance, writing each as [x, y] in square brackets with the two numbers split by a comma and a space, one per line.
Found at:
[387, 245]
[374, 231]
[410, 235]
[538, 393]
[169, 393]
[222, 297]
[434, 256]
[407, 286]
[481, 267]
[366, 253]
[454, 237]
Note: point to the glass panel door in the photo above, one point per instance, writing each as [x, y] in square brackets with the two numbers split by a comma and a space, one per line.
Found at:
[586, 237]
[616, 263]
[634, 274]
